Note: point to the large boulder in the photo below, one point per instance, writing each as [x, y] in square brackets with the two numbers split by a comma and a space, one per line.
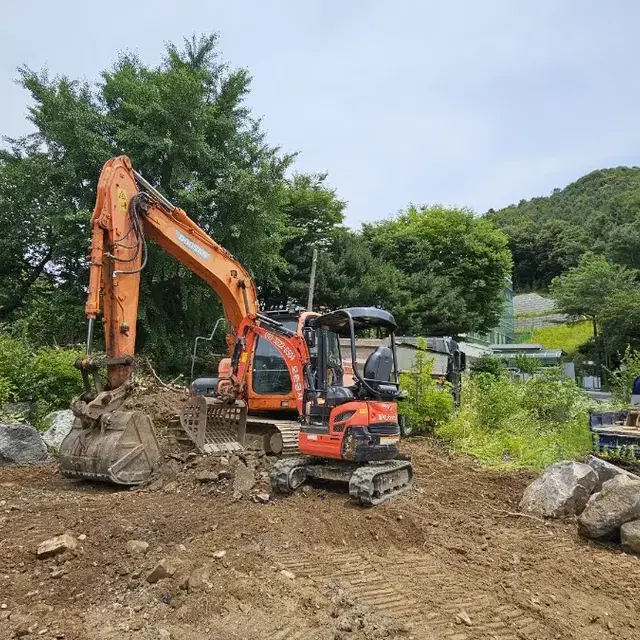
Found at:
[607, 511]
[60, 424]
[562, 490]
[630, 536]
[605, 471]
[21, 444]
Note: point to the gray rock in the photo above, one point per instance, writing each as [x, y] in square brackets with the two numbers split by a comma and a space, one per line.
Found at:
[562, 490]
[56, 545]
[137, 547]
[608, 510]
[605, 471]
[21, 444]
[244, 479]
[207, 476]
[630, 536]
[61, 423]
[164, 569]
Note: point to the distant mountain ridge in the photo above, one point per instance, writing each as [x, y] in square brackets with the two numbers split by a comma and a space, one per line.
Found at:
[599, 212]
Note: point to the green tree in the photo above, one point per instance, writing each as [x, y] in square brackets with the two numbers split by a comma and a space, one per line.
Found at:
[314, 217]
[452, 269]
[583, 290]
[187, 129]
[597, 213]
[620, 321]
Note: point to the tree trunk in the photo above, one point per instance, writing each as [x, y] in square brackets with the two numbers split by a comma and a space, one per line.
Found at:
[16, 300]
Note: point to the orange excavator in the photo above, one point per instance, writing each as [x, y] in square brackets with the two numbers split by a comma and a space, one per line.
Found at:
[283, 381]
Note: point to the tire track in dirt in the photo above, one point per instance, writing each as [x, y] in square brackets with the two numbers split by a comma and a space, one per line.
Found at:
[388, 589]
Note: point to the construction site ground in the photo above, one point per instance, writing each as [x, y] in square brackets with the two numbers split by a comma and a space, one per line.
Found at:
[451, 559]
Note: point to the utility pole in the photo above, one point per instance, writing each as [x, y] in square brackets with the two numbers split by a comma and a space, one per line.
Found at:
[312, 280]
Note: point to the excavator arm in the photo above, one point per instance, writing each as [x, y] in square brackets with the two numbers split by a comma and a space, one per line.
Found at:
[123, 218]
[118, 446]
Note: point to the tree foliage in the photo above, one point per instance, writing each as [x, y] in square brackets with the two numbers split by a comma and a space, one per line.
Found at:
[187, 130]
[449, 269]
[597, 213]
[186, 127]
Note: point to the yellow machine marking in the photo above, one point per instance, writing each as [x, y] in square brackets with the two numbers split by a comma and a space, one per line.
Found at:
[122, 199]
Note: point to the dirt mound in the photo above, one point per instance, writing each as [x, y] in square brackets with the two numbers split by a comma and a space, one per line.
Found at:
[161, 403]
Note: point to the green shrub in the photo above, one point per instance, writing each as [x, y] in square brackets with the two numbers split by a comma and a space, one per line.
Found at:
[520, 424]
[487, 364]
[45, 376]
[621, 380]
[427, 404]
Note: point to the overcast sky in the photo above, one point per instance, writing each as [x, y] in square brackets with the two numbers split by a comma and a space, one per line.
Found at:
[475, 103]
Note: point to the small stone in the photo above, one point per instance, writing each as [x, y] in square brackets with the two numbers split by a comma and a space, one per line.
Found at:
[197, 580]
[263, 498]
[137, 547]
[225, 474]
[244, 479]
[245, 607]
[288, 574]
[207, 476]
[345, 625]
[58, 573]
[164, 569]
[136, 625]
[82, 537]
[223, 460]
[163, 634]
[219, 554]
[180, 548]
[170, 487]
[3, 605]
[22, 630]
[56, 545]
[463, 618]
[306, 489]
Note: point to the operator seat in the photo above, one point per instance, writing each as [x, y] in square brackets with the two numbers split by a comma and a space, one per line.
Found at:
[377, 373]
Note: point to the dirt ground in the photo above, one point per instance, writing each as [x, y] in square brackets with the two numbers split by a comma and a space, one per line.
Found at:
[450, 559]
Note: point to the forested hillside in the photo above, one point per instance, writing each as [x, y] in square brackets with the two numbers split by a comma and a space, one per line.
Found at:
[600, 212]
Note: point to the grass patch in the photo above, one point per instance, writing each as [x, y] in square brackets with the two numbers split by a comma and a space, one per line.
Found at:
[567, 337]
[511, 424]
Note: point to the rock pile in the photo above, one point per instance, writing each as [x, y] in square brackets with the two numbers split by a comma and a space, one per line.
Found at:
[245, 475]
[605, 498]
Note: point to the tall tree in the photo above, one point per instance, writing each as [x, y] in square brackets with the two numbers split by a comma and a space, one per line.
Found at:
[453, 265]
[588, 289]
[186, 127]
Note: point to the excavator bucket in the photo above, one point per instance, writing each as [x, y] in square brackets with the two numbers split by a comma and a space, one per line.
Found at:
[122, 449]
[107, 444]
[213, 425]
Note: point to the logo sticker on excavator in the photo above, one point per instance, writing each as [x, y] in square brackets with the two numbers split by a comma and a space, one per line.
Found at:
[122, 199]
[243, 356]
[193, 246]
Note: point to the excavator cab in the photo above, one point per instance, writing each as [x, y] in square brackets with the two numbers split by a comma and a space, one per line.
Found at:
[350, 432]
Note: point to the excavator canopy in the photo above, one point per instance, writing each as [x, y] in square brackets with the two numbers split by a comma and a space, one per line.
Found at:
[341, 320]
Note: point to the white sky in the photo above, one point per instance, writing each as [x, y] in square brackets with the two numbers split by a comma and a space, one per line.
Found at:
[474, 103]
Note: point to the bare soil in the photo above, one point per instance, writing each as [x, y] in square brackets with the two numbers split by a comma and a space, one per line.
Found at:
[449, 559]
